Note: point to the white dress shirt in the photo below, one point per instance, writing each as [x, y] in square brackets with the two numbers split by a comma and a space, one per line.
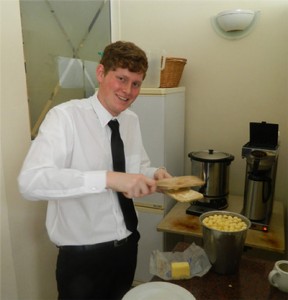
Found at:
[67, 165]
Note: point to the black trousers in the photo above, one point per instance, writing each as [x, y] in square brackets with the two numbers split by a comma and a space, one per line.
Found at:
[105, 271]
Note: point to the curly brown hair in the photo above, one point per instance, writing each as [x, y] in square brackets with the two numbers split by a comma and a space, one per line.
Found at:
[124, 55]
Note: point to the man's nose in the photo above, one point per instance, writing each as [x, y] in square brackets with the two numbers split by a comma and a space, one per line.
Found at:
[127, 87]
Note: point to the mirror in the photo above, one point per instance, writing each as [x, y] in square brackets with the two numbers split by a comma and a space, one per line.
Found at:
[63, 41]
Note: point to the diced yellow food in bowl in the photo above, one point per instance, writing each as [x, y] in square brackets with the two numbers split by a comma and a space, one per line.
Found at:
[224, 222]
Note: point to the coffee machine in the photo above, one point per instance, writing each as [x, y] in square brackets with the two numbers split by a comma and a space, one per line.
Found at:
[261, 153]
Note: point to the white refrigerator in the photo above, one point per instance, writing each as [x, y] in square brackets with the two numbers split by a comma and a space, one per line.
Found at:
[161, 113]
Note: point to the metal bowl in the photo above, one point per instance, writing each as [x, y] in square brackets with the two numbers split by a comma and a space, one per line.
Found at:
[224, 248]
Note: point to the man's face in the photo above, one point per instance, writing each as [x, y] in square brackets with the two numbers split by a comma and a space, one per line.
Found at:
[118, 89]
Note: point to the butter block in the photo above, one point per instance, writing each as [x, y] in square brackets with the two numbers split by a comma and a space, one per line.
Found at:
[180, 270]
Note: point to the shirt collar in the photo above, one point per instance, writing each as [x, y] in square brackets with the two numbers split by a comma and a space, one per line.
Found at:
[103, 115]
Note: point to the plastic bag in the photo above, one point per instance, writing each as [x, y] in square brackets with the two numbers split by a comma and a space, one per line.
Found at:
[160, 262]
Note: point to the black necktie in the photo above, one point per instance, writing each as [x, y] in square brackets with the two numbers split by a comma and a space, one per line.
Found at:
[118, 157]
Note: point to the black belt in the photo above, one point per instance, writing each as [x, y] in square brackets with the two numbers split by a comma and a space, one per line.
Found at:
[111, 244]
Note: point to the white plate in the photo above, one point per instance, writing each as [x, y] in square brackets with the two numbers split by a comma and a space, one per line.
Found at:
[158, 291]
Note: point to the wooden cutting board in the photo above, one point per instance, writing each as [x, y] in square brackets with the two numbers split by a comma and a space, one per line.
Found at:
[180, 182]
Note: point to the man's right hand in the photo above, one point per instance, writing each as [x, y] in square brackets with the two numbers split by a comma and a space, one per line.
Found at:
[131, 185]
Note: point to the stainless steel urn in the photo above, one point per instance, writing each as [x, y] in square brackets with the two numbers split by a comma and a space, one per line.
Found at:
[212, 167]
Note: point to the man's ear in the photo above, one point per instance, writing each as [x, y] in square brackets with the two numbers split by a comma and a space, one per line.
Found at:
[100, 72]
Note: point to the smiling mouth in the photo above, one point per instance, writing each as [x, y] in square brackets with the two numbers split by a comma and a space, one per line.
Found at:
[122, 98]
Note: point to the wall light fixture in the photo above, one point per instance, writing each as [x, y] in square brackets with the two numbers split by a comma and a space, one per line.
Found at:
[234, 23]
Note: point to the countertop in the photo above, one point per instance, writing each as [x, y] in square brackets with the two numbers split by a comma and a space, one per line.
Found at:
[177, 221]
[249, 283]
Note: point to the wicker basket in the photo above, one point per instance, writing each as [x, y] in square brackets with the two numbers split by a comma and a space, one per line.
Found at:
[172, 72]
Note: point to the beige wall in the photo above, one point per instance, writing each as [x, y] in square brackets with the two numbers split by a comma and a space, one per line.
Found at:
[27, 257]
[229, 83]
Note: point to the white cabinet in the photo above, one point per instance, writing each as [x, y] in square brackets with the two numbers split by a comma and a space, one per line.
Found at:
[162, 118]
[150, 240]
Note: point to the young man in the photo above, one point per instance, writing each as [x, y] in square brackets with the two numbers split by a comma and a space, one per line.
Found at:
[72, 165]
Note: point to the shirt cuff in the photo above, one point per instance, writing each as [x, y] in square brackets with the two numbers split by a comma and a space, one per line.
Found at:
[149, 172]
[95, 181]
